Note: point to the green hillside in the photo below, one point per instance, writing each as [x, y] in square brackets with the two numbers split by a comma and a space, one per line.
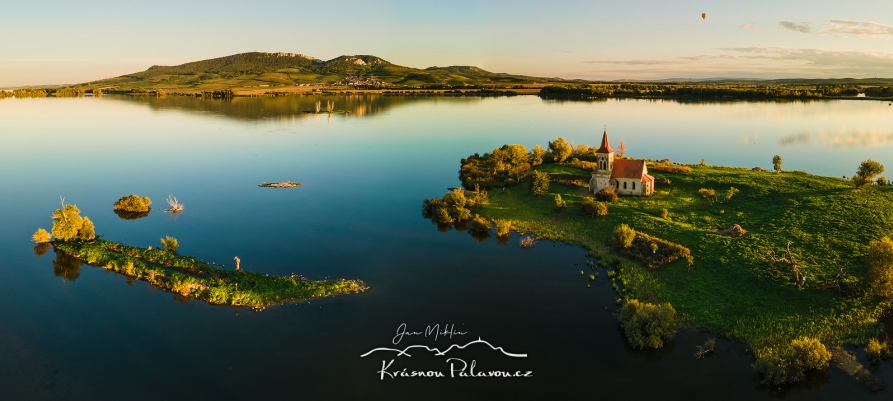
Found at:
[259, 69]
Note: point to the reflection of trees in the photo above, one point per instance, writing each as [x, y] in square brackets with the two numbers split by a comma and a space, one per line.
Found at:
[463, 226]
[480, 236]
[66, 266]
[503, 239]
[42, 248]
[125, 215]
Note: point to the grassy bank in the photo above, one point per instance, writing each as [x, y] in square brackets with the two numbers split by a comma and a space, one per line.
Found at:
[732, 289]
[193, 278]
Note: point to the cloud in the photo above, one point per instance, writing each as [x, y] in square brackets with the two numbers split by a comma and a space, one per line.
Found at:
[748, 26]
[804, 27]
[860, 28]
[634, 62]
[702, 57]
[820, 57]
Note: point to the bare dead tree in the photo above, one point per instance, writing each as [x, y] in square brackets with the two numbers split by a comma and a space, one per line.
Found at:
[621, 149]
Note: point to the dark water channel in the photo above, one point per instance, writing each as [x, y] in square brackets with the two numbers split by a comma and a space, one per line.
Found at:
[71, 332]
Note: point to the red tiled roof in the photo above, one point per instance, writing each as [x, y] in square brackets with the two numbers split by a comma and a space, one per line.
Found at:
[624, 168]
[606, 146]
[647, 178]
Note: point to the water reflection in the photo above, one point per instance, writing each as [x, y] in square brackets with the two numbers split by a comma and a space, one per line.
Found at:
[42, 248]
[125, 215]
[287, 108]
[66, 266]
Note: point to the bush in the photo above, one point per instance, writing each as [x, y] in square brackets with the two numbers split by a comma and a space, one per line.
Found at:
[68, 224]
[479, 224]
[560, 204]
[41, 236]
[776, 163]
[608, 195]
[879, 350]
[170, 243]
[647, 325]
[451, 208]
[664, 213]
[787, 363]
[133, 203]
[540, 183]
[882, 180]
[706, 193]
[503, 227]
[671, 169]
[590, 208]
[880, 267]
[624, 236]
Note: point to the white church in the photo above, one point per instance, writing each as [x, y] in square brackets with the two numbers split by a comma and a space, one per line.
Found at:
[627, 177]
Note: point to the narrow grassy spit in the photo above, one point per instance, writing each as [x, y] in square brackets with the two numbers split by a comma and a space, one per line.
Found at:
[752, 287]
[188, 277]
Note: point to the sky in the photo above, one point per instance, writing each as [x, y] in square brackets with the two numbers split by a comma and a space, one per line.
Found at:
[59, 42]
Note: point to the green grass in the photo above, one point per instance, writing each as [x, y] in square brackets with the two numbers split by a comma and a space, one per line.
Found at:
[196, 279]
[731, 290]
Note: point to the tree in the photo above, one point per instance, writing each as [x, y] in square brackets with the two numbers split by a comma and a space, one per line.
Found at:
[68, 224]
[621, 148]
[41, 236]
[776, 163]
[866, 173]
[882, 180]
[590, 208]
[170, 243]
[880, 267]
[537, 155]
[624, 236]
[560, 150]
[540, 184]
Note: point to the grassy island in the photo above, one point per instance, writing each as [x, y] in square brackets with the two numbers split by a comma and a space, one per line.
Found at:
[798, 271]
[197, 279]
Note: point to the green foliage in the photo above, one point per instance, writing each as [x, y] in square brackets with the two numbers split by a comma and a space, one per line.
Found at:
[68, 224]
[560, 150]
[664, 213]
[68, 92]
[479, 224]
[170, 243]
[624, 236]
[866, 173]
[607, 195]
[540, 183]
[776, 163]
[787, 363]
[880, 267]
[41, 236]
[133, 203]
[879, 350]
[29, 93]
[882, 180]
[503, 167]
[452, 208]
[710, 92]
[590, 208]
[194, 278]
[503, 227]
[707, 193]
[647, 325]
[560, 204]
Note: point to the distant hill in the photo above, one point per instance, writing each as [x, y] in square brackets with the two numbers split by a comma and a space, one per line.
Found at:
[288, 69]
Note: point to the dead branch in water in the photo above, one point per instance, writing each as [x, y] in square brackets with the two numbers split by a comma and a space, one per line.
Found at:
[176, 206]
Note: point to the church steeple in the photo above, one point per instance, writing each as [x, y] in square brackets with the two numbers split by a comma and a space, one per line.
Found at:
[606, 146]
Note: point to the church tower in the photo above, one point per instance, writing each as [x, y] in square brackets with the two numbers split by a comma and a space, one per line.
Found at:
[604, 165]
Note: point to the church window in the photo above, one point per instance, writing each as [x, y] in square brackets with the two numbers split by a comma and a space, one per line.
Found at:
[634, 185]
[624, 185]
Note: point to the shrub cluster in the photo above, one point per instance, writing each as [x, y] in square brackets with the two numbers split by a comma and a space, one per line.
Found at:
[788, 363]
[647, 325]
[41, 236]
[624, 236]
[133, 203]
[671, 169]
[880, 267]
[560, 204]
[879, 350]
[590, 208]
[479, 224]
[503, 227]
[454, 207]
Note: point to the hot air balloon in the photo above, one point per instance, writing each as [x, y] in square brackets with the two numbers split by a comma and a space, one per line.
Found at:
[703, 15]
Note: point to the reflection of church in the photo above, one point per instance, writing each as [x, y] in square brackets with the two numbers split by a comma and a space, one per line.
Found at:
[627, 177]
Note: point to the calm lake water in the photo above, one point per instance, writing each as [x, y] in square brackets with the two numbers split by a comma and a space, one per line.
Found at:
[82, 333]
